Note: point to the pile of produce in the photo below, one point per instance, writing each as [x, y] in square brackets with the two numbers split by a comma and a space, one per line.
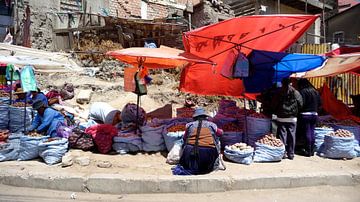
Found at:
[4, 94]
[258, 115]
[20, 104]
[342, 133]
[176, 128]
[239, 147]
[51, 139]
[271, 140]
[34, 134]
[231, 126]
[323, 125]
[4, 134]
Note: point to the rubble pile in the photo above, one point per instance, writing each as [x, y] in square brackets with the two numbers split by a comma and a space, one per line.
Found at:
[110, 70]
[220, 6]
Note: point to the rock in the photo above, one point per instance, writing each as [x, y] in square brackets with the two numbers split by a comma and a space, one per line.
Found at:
[84, 96]
[67, 160]
[104, 164]
[83, 161]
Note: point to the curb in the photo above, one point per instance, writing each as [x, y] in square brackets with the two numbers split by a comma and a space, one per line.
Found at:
[120, 184]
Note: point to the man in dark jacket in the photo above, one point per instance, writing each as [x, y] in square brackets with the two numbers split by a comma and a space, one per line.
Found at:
[307, 117]
[287, 104]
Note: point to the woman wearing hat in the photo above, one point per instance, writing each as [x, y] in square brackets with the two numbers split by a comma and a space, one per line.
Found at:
[47, 120]
[201, 145]
[21, 95]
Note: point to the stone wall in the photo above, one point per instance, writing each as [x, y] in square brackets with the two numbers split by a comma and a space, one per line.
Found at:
[210, 12]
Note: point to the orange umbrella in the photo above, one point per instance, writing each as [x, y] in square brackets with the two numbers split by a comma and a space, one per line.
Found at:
[155, 58]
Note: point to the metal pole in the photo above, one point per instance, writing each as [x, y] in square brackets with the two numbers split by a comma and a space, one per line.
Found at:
[190, 22]
[323, 21]
[246, 137]
[25, 114]
[137, 113]
[278, 5]
[11, 83]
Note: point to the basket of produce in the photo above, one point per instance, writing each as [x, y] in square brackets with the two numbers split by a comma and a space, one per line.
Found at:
[269, 149]
[4, 134]
[339, 144]
[239, 153]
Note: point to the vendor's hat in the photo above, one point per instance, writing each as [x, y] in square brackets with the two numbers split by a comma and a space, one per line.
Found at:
[199, 112]
[38, 104]
[19, 91]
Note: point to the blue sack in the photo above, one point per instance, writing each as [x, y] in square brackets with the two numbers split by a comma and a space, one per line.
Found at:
[29, 147]
[152, 138]
[52, 152]
[127, 143]
[241, 156]
[339, 147]
[319, 136]
[172, 138]
[267, 153]
[354, 129]
[8, 152]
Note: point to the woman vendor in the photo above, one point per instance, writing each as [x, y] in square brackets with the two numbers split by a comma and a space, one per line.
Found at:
[103, 113]
[201, 147]
[47, 120]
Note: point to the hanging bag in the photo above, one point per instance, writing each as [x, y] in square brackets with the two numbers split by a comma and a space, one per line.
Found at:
[228, 67]
[140, 87]
[241, 67]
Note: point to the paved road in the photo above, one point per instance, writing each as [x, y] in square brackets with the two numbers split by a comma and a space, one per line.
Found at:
[308, 194]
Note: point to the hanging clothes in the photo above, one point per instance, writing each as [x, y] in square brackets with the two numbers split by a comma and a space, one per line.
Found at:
[16, 73]
[28, 81]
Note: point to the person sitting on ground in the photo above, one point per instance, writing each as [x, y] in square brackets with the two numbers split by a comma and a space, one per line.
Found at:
[201, 149]
[38, 95]
[287, 104]
[103, 113]
[22, 96]
[47, 119]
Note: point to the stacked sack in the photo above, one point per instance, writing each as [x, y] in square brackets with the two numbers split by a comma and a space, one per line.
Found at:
[127, 141]
[351, 126]
[53, 149]
[269, 149]
[152, 138]
[239, 153]
[16, 115]
[174, 133]
[257, 125]
[8, 151]
[29, 146]
[338, 145]
[320, 133]
[4, 116]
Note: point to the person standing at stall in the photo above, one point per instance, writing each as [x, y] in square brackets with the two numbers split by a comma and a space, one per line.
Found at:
[308, 116]
[201, 147]
[47, 120]
[287, 104]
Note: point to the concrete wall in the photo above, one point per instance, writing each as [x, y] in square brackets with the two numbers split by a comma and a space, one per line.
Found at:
[349, 23]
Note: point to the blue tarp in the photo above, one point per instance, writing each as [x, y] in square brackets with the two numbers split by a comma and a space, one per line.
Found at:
[268, 67]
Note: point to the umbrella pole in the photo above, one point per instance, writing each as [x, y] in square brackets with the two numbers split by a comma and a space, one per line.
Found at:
[11, 83]
[137, 113]
[25, 114]
[245, 132]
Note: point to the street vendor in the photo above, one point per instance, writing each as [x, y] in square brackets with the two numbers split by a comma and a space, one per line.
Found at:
[287, 104]
[38, 95]
[103, 113]
[201, 147]
[47, 120]
[21, 95]
[308, 117]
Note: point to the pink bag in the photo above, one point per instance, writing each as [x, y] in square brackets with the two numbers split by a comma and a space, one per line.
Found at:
[103, 136]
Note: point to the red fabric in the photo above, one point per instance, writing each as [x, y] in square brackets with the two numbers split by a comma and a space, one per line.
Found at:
[344, 50]
[335, 107]
[271, 33]
[103, 135]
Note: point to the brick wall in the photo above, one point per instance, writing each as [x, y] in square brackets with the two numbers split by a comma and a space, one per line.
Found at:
[156, 11]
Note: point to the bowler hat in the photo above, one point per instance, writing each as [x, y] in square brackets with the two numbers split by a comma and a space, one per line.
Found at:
[199, 112]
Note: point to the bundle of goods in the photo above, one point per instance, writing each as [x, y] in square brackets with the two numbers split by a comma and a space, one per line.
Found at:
[53, 149]
[339, 144]
[29, 146]
[78, 139]
[174, 154]
[17, 115]
[8, 152]
[174, 134]
[64, 131]
[127, 141]
[239, 153]
[4, 134]
[320, 133]
[351, 126]
[103, 135]
[258, 124]
[20, 104]
[269, 149]
[152, 138]
[185, 112]
[4, 116]
[129, 114]
[14, 138]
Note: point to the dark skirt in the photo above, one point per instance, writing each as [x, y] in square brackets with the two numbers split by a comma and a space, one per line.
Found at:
[202, 163]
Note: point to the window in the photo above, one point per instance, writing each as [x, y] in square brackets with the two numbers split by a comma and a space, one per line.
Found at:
[339, 37]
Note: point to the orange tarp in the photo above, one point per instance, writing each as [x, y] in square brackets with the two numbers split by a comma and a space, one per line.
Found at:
[271, 33]
[163, 57]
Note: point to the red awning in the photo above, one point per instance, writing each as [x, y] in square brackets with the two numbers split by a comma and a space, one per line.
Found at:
[263, 32]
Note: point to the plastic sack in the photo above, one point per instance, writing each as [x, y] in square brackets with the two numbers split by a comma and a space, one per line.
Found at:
[258, 125]
[127, 142]
[4, 100]
[228, 66]
[357, 150]
[338, 147]
[29, 147]
[52, 152]
[174, 155]
[172, 138]
[8, 152]
[354, 129]
[241, 156]
[319, 136]
[152, 138]
[4, 116]
[241, 68]
[78, 139]
[230, 138]
[16, 118]
[267, 153]
[103, 135]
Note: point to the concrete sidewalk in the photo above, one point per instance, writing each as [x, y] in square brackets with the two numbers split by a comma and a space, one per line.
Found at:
[144, 173]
